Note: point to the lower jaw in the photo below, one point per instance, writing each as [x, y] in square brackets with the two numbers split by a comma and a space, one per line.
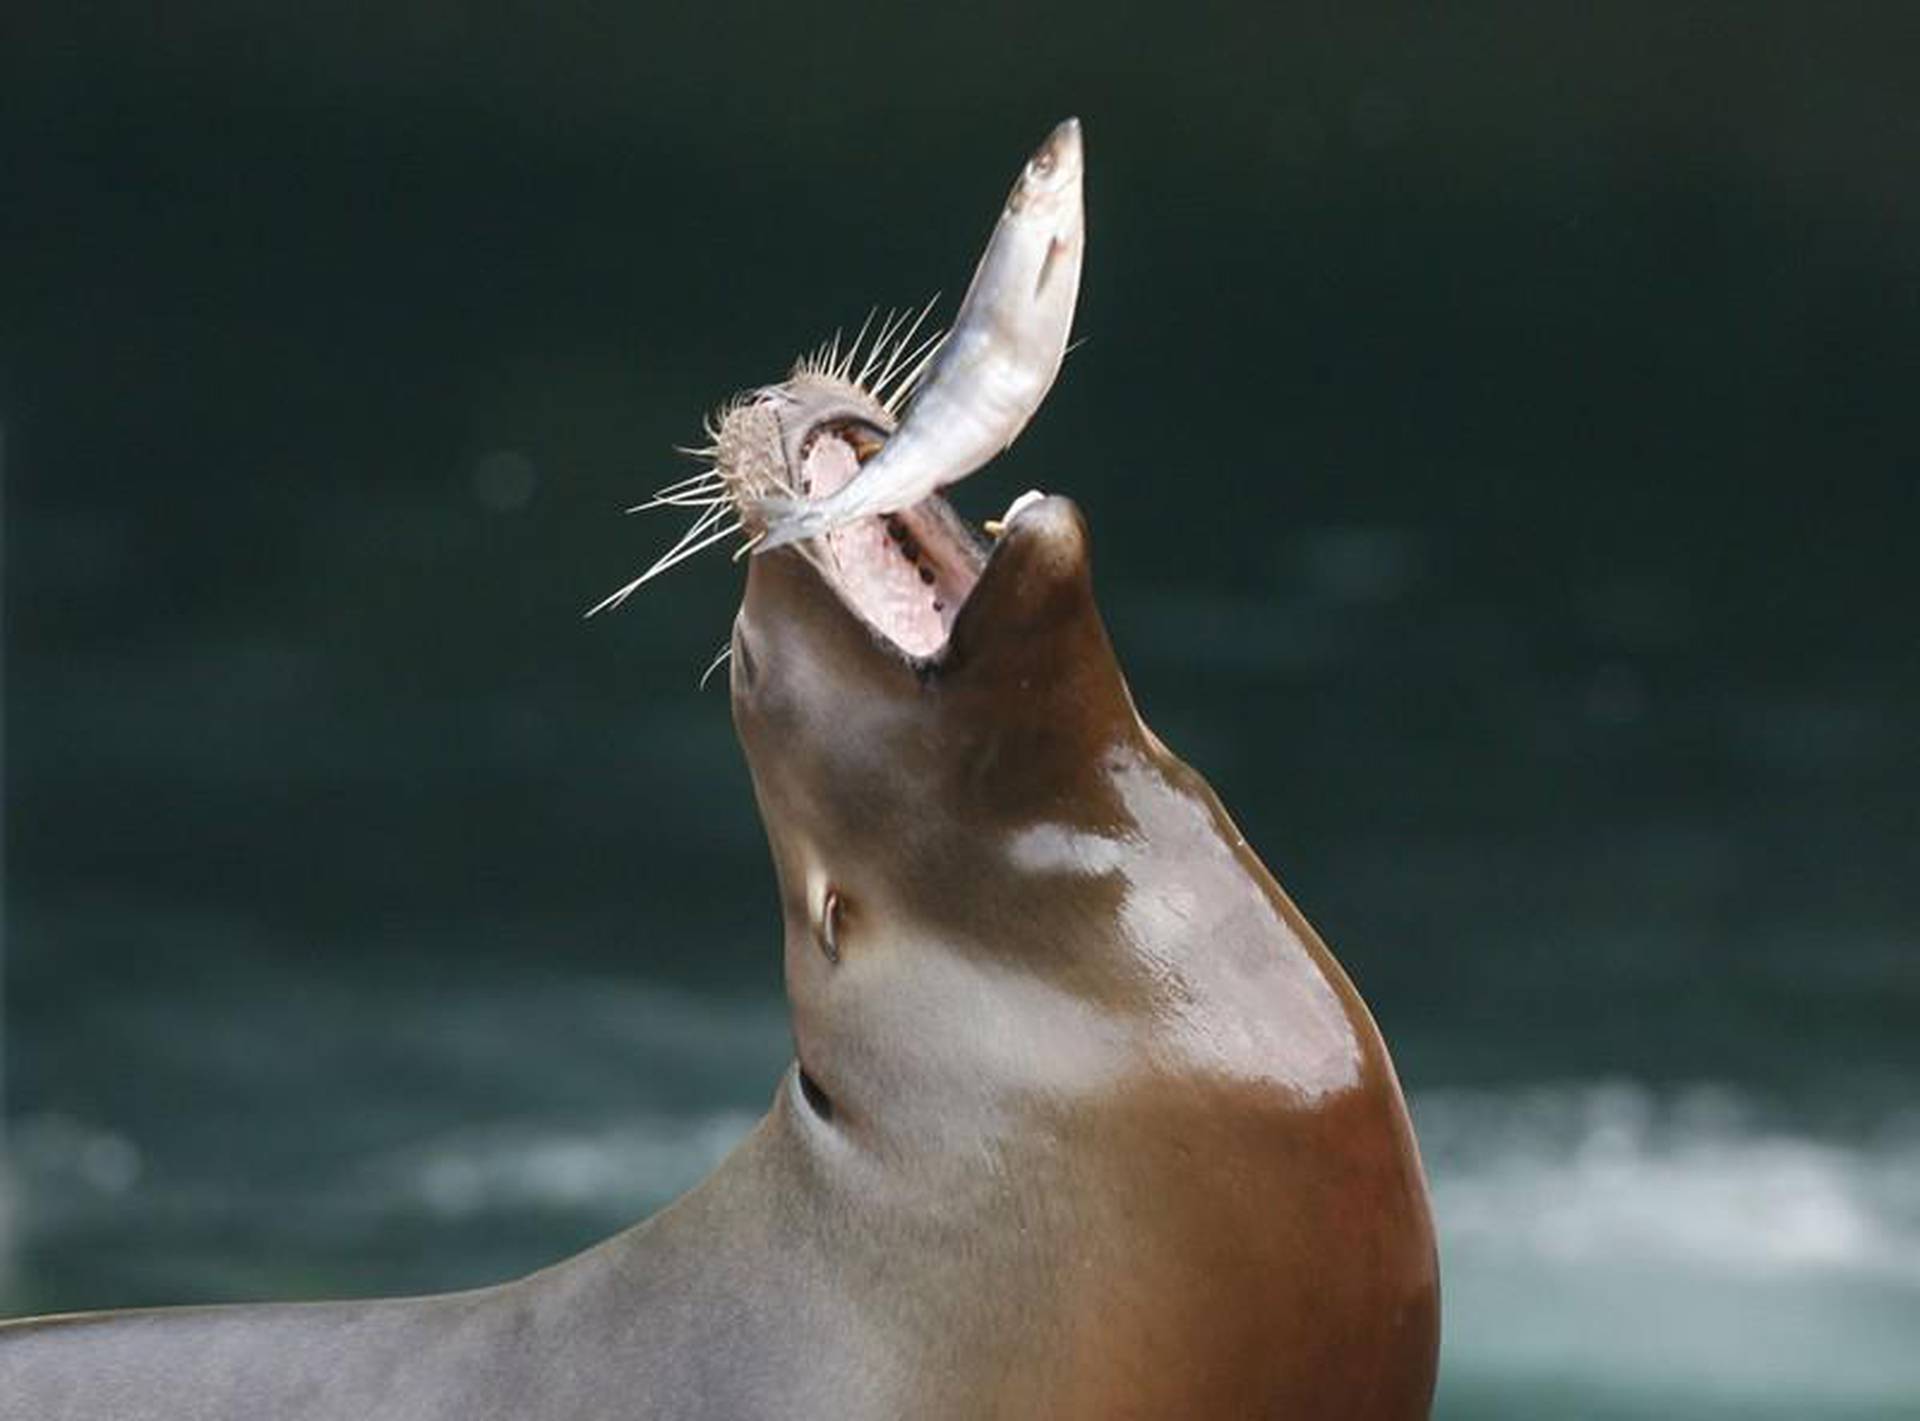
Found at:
[907, 573]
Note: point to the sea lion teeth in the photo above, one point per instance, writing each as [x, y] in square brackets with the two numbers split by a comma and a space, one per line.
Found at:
[996, 526]
[1020, 504]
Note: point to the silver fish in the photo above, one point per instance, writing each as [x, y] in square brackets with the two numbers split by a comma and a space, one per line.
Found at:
[995, 366]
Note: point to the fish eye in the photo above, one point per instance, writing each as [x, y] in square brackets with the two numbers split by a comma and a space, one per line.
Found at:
[1041, 163]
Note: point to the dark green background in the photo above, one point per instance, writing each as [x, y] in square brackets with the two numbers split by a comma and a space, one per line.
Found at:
[1498, 427]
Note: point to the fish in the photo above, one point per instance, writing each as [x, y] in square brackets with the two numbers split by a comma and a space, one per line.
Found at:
[993, 369]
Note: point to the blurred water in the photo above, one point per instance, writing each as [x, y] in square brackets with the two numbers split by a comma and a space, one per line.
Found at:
[1634, 1253]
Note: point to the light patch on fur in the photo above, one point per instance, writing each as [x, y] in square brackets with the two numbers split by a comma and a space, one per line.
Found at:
[1063, 849]
[1252, 999]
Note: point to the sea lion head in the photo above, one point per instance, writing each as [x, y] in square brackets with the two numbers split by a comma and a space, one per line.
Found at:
[924, 712]
[991, 871]
[907, 694]
[902, 655]
[1017, 714]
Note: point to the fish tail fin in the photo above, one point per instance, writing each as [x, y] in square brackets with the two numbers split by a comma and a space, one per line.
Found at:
[788, 520]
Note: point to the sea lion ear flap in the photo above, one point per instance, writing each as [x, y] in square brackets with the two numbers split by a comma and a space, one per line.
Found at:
[1030, 632]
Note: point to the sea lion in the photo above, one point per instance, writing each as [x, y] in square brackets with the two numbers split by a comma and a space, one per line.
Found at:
[1084, 1123]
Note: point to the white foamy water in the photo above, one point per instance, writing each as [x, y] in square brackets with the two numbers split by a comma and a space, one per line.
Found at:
[622, 1169]
[1609, 1173]
[1672, 1255]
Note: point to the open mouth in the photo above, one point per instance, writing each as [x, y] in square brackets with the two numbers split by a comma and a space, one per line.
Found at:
[905, 574]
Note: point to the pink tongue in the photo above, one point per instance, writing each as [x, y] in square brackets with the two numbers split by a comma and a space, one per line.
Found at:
[875, 575]
[829, 466]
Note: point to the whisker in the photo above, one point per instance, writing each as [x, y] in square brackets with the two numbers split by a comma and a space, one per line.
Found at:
[916, 367]
[881, 343]
[700, 497]
[692, 534]
[693, 498]
[704, 476]
[673, 557]
[680, 555]
[839, 371]
[720, 659]
[903, 339]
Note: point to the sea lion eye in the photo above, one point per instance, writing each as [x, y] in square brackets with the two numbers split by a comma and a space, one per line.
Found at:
[818, 1101]
[827, 931]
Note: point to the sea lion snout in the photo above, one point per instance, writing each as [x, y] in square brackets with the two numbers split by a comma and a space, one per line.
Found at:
[1039, 578]
[901, 781]
[1020, 705]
